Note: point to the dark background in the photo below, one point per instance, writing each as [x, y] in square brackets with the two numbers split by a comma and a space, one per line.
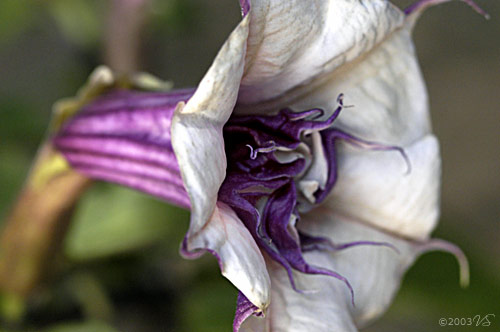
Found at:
[121, 269]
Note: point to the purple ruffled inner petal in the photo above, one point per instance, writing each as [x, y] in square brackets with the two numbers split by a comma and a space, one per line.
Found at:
[262, 190]
[244, 309]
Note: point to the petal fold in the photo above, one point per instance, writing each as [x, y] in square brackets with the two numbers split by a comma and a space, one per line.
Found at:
[198, 144]
[298, 42]
[238, 255]
[197, 129]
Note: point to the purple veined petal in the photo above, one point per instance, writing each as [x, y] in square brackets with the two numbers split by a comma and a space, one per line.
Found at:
[163, 190]
[151, 125]
[276, 216]
[244, 309]
[124, 137]
[237, 192]
[419, 6]
[124, 166]
[119, 147]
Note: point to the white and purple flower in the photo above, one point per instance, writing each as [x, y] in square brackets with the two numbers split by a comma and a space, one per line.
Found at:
[257, 153]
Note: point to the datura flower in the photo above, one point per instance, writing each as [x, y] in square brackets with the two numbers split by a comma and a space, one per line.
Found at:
[305, 155]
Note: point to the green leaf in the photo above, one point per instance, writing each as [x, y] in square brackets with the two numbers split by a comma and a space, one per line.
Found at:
[113, 220]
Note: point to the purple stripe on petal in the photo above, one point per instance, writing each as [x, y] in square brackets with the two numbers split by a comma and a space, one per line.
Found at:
[120, 147]
[244, 309]
[162, 190]
[152, 125]
[132, 167]
[124, 137]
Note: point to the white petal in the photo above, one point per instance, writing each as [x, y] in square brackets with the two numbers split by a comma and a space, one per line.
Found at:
[239, 256]
[199, 147]
[386, 90]
[374, 272]
[374, 187]
[292, 43]
[390, 107]
[197, 128]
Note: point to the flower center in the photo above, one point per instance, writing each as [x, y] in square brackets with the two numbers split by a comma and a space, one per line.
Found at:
[267, 157]
[279, 166]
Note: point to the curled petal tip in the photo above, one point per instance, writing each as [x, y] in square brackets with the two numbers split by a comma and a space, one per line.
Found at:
[478, 9]
[245, 7]
[417, 8]
[442, 245]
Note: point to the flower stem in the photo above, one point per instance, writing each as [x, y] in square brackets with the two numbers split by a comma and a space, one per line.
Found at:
[33, 231]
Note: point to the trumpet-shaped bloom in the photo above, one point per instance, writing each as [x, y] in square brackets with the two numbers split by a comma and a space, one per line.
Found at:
[306, 203]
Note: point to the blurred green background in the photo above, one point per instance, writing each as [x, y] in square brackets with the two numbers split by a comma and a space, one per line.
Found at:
[121, 271]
